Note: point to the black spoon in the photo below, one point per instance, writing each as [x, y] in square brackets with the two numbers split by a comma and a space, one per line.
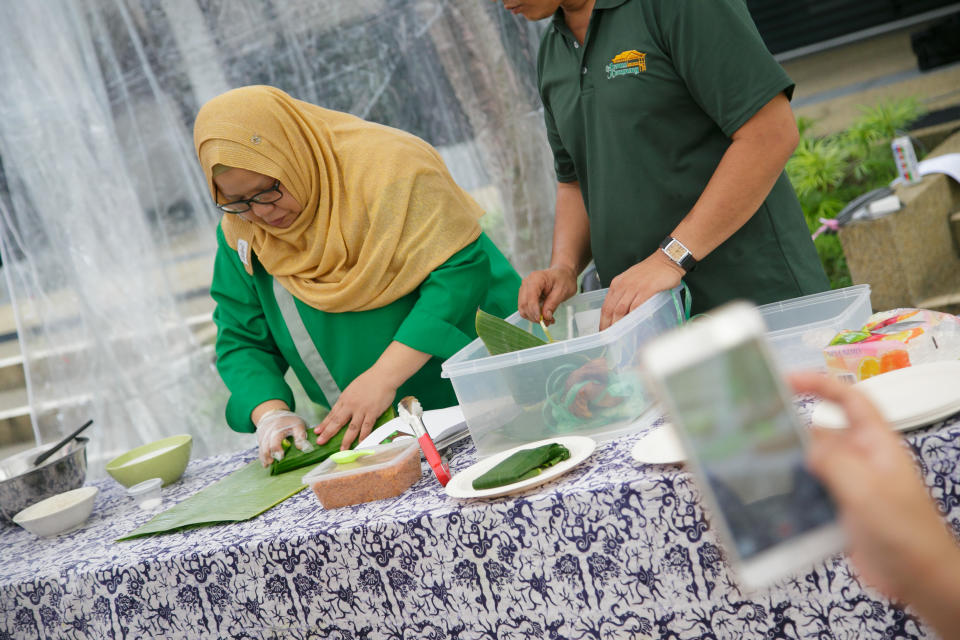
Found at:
[49, 452]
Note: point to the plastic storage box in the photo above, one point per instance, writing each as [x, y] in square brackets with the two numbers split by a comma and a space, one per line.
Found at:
[389, 471]
[586, 383]
[800, 328]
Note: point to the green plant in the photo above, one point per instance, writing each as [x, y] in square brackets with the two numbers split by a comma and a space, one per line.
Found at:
[830, 171]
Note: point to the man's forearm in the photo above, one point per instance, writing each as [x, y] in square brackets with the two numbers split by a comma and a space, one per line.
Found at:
[571, 231]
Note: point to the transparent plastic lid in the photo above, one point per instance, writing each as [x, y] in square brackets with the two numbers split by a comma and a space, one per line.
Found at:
[384, 456]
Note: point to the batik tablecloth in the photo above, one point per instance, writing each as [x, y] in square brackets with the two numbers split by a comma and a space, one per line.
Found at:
[613, 549]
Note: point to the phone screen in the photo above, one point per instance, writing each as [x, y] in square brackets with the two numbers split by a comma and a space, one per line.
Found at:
[746, 438]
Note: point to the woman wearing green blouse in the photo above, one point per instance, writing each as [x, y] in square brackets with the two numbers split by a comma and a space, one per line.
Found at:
[347, 253]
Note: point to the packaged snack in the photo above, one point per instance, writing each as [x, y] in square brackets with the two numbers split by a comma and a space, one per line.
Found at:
[892, 340]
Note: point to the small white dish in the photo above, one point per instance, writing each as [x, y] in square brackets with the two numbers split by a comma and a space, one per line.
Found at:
[908, 398]
[660, 446]
[461, 485]
[147, 493]
[58, 514]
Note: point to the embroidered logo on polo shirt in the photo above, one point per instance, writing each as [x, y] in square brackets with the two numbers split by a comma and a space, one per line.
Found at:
[627, 63]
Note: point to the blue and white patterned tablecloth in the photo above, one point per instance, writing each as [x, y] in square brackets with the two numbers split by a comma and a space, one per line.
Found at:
[611, 550]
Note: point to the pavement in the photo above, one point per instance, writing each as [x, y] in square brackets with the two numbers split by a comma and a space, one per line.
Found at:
[833, 85]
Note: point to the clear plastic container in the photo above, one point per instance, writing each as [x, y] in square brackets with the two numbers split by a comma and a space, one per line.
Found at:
[389, 471]
[587, 383]
[147, 493]
[800, 328]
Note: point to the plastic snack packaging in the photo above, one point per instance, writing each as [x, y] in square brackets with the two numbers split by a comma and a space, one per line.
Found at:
[892, 340]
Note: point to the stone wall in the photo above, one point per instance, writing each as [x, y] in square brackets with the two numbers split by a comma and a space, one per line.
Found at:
[911, 258]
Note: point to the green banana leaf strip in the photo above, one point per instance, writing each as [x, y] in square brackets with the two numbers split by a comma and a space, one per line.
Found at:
[293, 458]
[523, 464]
[499, 336]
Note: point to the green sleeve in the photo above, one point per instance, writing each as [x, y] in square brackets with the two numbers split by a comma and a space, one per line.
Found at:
[716, 48]
[247, 356]
[562, 162]
[442, 320]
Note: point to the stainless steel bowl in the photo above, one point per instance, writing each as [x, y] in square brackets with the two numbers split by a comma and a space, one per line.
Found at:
[22, 484]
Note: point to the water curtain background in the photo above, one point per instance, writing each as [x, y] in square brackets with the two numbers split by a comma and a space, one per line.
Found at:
[107, 229]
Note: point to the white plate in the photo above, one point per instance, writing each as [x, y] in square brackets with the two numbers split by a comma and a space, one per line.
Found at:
[461, 485]
[908, 398]
[659, 446]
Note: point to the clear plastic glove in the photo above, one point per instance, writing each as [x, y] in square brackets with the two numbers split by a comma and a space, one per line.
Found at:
[273, 427]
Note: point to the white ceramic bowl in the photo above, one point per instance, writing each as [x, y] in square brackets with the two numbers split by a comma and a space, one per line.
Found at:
[58, 514]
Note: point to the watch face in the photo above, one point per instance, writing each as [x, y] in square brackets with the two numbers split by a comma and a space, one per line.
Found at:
[676, 251]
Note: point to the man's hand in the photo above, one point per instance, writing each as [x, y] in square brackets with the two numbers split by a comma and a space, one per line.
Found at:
[542, 292]
[637, 284]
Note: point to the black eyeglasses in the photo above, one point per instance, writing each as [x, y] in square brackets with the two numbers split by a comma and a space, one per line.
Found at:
[268, 196]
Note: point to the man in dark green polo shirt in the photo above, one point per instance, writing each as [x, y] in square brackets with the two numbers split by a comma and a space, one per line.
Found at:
[670, 125]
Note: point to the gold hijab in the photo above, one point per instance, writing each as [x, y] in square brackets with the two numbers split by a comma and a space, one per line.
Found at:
[380, 209]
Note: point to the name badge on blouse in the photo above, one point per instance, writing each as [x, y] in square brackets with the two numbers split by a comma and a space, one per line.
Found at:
[243, 250]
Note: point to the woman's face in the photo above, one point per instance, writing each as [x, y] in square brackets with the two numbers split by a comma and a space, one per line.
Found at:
[241, 184]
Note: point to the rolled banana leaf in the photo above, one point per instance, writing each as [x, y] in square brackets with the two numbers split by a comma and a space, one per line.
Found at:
[499, 336]
[523, 464]
[293, 458]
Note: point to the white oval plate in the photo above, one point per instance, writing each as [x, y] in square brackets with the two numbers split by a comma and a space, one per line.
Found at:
[461, 485]
[659, 446]
[908, 398]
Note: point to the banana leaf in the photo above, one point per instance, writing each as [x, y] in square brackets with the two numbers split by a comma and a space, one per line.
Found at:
[499, 336]
[521, 465]
[293, 458]
[244, 494]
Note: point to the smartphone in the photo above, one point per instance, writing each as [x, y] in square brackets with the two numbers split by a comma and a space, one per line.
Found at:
[717, 380]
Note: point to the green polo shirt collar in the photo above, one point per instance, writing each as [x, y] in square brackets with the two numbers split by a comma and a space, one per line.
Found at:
[560, 24]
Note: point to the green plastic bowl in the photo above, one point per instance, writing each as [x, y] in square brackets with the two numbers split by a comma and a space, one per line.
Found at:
[165, 459]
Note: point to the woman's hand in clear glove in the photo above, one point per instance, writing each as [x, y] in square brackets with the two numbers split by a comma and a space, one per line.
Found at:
[275, 425]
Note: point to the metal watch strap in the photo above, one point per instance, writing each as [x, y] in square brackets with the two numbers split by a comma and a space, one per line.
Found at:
[686, 262]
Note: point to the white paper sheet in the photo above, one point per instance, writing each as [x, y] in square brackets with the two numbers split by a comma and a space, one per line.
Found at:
[439, 422]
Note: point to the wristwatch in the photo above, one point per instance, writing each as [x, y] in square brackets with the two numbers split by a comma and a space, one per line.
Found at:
[678, 253]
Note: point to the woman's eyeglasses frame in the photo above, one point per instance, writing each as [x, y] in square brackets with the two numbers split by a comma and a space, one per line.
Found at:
[242, 206]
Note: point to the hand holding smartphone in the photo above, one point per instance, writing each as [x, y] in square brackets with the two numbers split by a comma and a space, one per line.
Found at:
[716, 377]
